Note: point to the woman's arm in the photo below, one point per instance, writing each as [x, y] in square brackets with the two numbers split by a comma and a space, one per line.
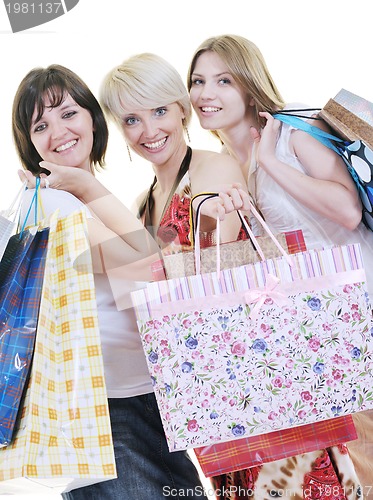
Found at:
[327, 187]
[116, 236]
[220, 173]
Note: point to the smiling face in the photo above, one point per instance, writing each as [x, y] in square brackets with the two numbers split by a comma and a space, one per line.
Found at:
[154, 134]
[216, 97]
[63, 134]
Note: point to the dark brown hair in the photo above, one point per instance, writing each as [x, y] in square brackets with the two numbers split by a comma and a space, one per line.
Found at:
[53, 82]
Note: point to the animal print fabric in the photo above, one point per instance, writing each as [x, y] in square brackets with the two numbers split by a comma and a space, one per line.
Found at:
[361, 451]
[323, 475]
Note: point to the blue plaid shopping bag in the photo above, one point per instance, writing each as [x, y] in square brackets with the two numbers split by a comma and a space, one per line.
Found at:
[21, 279]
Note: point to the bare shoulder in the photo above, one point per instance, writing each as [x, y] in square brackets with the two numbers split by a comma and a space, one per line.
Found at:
[212, 169]
[299, 138]
[205, 159]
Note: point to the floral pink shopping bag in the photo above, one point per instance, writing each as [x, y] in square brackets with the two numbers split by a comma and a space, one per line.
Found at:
[259, 348]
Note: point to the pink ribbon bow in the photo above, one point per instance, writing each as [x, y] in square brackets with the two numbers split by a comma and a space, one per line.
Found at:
[259, 296]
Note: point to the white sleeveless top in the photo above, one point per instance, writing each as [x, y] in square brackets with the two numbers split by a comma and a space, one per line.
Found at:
[126, 372]
[283, 213]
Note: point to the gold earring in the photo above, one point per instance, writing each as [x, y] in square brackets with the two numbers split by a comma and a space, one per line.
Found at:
[186, 130]
[129, 152]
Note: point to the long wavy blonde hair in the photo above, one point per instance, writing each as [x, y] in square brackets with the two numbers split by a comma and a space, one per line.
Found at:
[246, 64]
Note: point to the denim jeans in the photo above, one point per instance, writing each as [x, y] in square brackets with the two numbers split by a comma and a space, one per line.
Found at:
[146, 469]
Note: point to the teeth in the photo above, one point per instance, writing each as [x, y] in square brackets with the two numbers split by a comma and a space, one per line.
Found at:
[155, 145]
[66, 146]
[210, 110]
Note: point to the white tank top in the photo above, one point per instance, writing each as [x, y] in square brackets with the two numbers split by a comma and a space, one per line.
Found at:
[283, 213]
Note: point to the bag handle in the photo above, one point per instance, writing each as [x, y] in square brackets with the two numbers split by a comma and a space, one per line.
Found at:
[316, 132]
[34, 201]
[296, 112]
[17, 201]
[249, 232]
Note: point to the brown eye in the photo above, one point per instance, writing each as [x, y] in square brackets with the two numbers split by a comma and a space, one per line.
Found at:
[69, 114]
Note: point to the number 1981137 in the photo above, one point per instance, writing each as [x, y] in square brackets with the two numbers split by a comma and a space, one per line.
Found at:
[34, 8]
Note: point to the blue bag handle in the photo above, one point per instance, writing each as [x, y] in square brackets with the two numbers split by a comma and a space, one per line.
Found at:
[322, 136]
[328, 140]
[34, 201]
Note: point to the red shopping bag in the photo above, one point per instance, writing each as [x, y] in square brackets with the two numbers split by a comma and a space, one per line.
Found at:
[240, 454]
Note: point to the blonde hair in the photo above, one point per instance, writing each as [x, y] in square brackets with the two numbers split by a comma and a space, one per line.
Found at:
[143, 81]
[246, 64]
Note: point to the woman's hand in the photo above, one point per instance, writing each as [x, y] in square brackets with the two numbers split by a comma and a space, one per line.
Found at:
[81, 183]
[27, 176]
[69, 179]
[266, 141]
[231, 198]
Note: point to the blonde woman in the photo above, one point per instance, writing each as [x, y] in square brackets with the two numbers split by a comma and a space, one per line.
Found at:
[149, 102]
[296, 182]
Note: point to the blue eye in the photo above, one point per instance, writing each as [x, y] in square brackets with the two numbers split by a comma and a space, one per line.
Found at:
[40, 127]
[160, 111]
[130, 120]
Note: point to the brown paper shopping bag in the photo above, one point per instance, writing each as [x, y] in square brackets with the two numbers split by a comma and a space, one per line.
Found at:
[229, 255]
[63, 438]
[351, 116]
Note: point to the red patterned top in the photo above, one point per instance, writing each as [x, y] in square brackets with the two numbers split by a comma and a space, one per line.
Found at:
[174, 228]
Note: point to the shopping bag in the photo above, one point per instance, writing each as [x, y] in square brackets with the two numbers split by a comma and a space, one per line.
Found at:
[21, 279]
[256, 450]
[239, 454]
[258, 348]
[8, 220]
[357, 154]
[228, 255]
[350, 116]
[231, 254]
[63, 438]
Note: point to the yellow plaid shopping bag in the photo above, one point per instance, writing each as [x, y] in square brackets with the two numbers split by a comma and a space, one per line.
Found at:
[63, 438]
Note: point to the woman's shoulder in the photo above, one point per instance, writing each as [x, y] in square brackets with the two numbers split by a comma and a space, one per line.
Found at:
[213, 168]
[203, 157]
[56, 198]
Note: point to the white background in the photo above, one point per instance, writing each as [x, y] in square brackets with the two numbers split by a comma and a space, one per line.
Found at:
[312, 49]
